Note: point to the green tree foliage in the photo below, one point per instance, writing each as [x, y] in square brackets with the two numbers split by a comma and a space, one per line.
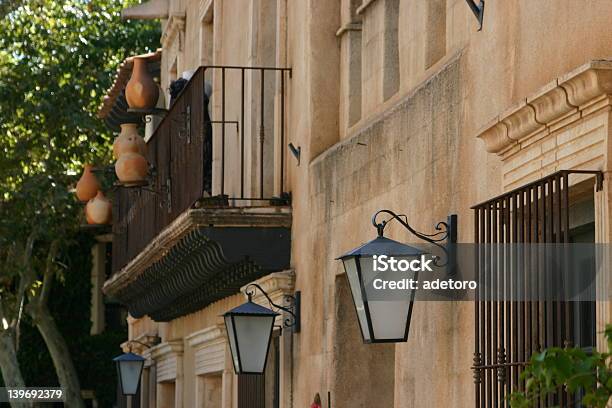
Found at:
[57, 58]
[571, 369]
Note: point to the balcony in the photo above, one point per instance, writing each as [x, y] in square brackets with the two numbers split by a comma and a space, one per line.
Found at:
[215, 214]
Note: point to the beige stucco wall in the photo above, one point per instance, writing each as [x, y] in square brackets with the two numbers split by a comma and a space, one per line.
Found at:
[415, 152]
[425, 162]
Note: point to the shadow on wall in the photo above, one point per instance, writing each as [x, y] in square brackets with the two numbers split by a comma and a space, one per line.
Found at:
[364, 374]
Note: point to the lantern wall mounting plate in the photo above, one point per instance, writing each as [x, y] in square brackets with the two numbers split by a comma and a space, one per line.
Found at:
[478, 11]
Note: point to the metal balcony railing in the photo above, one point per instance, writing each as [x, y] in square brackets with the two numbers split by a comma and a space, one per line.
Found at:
[227, 160]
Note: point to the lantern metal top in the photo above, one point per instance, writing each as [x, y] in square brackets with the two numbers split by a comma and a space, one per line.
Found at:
[129, 357]
[250, 308]
[383, 246]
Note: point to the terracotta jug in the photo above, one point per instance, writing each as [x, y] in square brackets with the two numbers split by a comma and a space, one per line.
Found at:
[88, 185]
[131, 168]
[129, 141]
[99, 210]
[141, 92]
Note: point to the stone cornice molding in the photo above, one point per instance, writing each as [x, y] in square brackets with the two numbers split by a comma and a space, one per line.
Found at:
[189, 221]
[277, 285]
[150, 10]
[206, 337]
[574, 92]
[174, 27]
[169, 349]
[168, 358]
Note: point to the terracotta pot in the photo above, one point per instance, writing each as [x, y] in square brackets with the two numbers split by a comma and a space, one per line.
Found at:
[99, 210]
[88, 185]
[131, 168]
[129, 141]
[141, 92]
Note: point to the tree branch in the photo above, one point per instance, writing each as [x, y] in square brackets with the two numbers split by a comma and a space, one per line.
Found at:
[25, 281]
[49, 272]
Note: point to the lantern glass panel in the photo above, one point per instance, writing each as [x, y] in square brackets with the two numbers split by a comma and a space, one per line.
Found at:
[129, 374]
[253, 334]
[231, 334]
[350, 266]
[388, 308]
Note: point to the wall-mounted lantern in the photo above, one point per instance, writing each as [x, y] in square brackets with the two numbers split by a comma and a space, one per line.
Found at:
[384, 320]
[129, 370]
[249, 330]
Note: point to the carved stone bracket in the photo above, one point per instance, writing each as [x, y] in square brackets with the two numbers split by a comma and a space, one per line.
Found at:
[577, 91]
[174, 27]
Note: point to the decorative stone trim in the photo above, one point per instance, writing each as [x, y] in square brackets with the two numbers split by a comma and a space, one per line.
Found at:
[210, 349]
[168, 357]
[189, 221]
[575, 92]
[174, 27]
[206, 11]
[150, 10]
[206, 336]
[356, 26]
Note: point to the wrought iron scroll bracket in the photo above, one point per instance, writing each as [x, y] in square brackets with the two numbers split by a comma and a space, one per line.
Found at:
[292, 308]
[478, 10]
[445, 231]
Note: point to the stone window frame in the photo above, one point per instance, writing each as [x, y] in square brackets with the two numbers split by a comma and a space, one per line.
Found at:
[211, 356]
[168, 358]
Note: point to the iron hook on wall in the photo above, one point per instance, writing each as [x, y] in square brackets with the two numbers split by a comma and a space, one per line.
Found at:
[478, 11]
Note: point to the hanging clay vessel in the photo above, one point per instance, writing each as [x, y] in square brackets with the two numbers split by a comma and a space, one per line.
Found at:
[141, 92]
[129, 141]
[131, 168]
[88, 185]
[99, 210]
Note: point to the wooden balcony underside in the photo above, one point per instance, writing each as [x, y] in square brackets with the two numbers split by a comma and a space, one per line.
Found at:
[203, 256]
